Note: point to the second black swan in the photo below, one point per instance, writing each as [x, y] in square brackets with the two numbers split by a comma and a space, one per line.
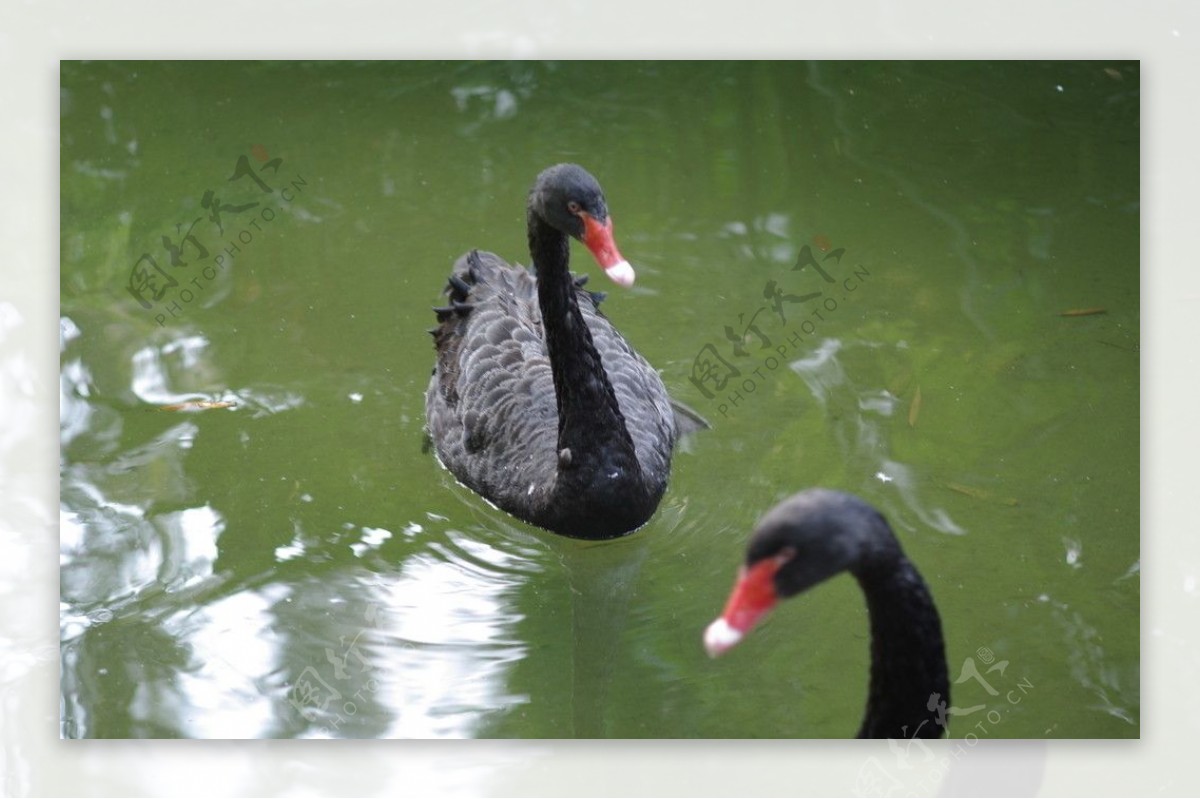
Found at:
[815, 535]
[536, 402]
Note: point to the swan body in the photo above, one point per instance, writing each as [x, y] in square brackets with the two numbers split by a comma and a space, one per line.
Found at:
[815, 535]
[536, 401]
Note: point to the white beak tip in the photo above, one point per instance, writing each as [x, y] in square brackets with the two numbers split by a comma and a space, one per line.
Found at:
[621, 273]
[719, 637]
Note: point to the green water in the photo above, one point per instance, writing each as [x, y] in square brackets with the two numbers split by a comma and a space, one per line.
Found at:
[296, 565]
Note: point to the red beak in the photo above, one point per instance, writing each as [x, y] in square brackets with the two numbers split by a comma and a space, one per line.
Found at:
[753, 595]
[599, 239]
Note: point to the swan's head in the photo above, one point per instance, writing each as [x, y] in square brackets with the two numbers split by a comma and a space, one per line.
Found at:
[802, 541]
[569, 199]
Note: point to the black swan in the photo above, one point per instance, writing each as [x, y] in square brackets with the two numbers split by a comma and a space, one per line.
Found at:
[537, 403]
[815, 535]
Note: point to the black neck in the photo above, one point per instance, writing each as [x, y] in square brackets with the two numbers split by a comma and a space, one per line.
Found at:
[908, 657]
[590, 423]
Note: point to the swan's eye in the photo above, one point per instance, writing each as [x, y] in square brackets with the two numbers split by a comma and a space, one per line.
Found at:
[574, 207]
[784, 555]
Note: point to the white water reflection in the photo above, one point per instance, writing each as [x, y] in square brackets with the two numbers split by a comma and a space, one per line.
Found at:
[424, 653]
[767, 238]
[174, 372]
[221, 694]
[183, 370]
[453, 635]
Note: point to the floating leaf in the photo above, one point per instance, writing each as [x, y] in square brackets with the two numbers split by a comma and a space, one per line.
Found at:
[914, 408]
[970, 491]
[198, 405]
[1083, 312]
[980, 493]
